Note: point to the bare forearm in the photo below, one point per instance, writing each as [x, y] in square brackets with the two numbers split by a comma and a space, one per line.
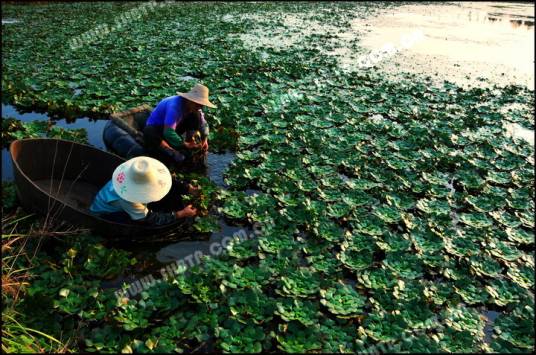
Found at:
[165, 145]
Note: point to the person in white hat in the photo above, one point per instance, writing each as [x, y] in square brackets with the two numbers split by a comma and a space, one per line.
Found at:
[134, 184]
[175, 116]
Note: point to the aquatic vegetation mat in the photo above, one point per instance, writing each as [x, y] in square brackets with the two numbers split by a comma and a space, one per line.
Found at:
[394, 214]
[13, 129]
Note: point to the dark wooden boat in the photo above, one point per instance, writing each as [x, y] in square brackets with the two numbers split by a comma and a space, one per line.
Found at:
[123, 133]
[123, 136]
[60, 178]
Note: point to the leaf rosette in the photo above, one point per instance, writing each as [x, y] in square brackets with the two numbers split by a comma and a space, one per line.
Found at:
[506, 219]
[242, 249]
[477, 220]
[295, 338]
[404, 264]
[522, 275]
[504, 292]
[470, 291]
[504, 250]
[485, 265]
[461, 247]
[516, 331]
[235, 337]
[519, 235]
[485, 203]
[368, 225]
[499, 177]
[277, 242]
[329, 230]
[326, 264]
[394, 242]
[386, 327]
[402, 202]
[251, 306]
[388, 214]
[462, 318]
[342, 300]
[302, 282]
[377, 279]
[438, 293]
[356, 260]
[434, 207]
[305, 312]
[247, 277]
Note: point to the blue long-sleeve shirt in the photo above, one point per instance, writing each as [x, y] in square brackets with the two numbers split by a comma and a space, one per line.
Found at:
[169, 112]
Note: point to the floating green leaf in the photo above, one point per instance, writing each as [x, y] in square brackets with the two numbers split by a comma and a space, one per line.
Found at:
[342, 300]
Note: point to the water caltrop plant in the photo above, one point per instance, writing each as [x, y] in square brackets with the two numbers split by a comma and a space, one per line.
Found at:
[395, 213]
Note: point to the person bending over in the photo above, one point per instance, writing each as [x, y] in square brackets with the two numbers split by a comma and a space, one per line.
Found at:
[136, 189]
[175, 116]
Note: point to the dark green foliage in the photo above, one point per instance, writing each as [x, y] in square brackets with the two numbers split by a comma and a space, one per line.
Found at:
[390, 210]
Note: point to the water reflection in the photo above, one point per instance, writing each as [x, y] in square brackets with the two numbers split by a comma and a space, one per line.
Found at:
[516, 23]
[183, 249]
[462, 41]
[217, 165]
[517, 131]
[8, 21]
[93, 128]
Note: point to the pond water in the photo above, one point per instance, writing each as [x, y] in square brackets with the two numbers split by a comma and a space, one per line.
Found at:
[93, 128]
[180, 250]
[460, 42]
[488, 328]
[517, 131]
[217, 165]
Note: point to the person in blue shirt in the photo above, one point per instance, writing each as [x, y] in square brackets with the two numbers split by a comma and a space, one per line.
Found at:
[175, 116]
[136, 187]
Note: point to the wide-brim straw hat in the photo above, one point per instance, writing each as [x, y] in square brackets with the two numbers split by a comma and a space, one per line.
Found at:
[199, 95]
[141, 180]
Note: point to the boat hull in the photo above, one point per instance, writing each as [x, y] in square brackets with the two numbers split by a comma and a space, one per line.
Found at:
[59, 178]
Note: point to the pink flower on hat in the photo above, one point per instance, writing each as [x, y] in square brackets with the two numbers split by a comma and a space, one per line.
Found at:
[120, 177]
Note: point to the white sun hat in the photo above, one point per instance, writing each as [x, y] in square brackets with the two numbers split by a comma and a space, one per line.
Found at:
[142, 180]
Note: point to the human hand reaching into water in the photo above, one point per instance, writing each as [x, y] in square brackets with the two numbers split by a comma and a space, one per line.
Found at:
[193, 145]
[188, 211]
[204, 146]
